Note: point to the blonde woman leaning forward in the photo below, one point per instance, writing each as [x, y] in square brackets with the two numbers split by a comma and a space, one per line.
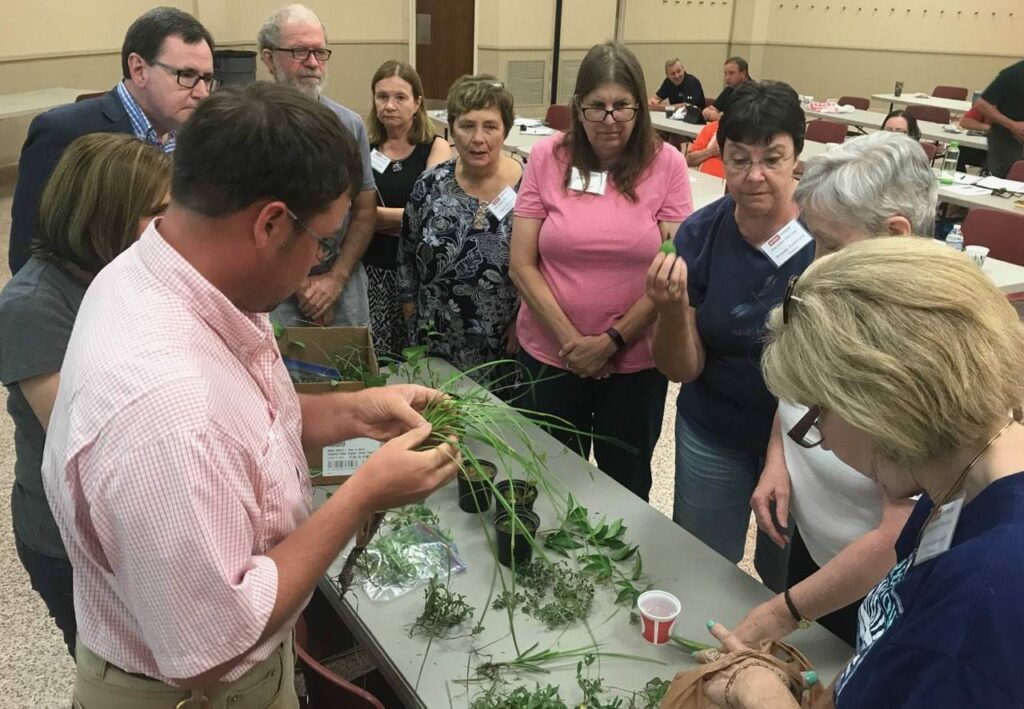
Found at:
[403, 146]
[909, 359]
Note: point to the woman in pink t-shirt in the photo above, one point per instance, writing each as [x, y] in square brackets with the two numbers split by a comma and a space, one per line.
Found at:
[594, 206]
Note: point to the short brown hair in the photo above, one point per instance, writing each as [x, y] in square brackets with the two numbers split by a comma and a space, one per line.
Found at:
[612, 63]
[479, 91]
[421, 132]
[903, 339]
[91, 207]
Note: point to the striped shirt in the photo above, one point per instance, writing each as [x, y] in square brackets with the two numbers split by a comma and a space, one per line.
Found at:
[173, 464]
[141, 126]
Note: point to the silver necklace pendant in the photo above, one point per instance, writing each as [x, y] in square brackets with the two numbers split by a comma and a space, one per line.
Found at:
[396, 166]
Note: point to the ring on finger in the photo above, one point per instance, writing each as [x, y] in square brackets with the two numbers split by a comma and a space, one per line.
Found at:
[673, 287]
[712, 654]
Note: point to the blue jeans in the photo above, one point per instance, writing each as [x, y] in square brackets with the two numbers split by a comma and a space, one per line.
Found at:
[713, 487]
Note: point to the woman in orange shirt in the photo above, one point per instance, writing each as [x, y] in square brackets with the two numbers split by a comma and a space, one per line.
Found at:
[704, 154]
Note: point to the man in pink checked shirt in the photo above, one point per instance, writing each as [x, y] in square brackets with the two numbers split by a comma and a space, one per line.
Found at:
[174, 459]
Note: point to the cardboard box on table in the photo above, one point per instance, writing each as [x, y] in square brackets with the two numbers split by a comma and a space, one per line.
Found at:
[316, 345]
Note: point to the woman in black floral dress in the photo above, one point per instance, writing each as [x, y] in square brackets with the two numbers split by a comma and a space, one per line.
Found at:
[453, 250]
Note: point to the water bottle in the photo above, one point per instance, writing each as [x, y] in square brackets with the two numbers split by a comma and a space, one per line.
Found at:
[952, 157]
[955, 238]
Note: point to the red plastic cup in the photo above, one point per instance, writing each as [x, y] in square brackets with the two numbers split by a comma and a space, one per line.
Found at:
[658, 613]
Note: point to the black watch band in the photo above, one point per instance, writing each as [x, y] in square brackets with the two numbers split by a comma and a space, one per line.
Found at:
[801, 622]
[616, 337]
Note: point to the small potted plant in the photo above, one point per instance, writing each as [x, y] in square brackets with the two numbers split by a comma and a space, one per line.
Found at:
[515, 530]
[517, 493]
[476, 478]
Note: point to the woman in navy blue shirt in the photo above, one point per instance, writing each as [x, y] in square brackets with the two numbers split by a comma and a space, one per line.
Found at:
[735, 257]
[909, 359]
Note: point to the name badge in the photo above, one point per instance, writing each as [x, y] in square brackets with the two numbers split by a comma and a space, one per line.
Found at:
[938, 536]
[594, 186]
[503, 203]
[379, 161]
[786, 243]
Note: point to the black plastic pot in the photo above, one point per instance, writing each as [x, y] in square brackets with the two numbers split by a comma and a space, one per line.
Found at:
[518, 493]
[513, 543]
[475, 486]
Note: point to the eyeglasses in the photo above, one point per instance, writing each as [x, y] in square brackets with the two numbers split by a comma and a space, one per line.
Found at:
[788, 298]
[619, 114]
[302, 53]
[806, 433]
[190, 78]
[328, 248]
[742, 166]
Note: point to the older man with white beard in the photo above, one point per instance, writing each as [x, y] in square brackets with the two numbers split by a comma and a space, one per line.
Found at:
[293, 47]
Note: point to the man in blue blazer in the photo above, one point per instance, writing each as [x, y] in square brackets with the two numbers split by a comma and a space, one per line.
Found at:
[167, 68]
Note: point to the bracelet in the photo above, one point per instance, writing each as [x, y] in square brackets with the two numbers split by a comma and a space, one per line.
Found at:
[617, 338]
[801, 622]
[737, 673]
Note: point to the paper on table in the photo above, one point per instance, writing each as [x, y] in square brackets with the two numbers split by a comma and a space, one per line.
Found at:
[969, 190]
[538, 130]
[995, 183]
[439, 113]
[962, 178]
[528, 122]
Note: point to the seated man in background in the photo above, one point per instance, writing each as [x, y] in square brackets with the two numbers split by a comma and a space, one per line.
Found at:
[736, 72]
[704, 153]
[678, 89]
[293, 47]
[178, 479]
[167, 69]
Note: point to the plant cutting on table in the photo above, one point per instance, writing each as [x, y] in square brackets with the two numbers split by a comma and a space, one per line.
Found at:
[581, 556]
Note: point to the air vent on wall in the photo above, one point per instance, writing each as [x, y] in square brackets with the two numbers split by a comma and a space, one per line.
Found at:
[567, 71]
[526, 82]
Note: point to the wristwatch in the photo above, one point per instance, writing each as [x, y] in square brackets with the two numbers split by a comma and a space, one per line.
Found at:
[801, 622]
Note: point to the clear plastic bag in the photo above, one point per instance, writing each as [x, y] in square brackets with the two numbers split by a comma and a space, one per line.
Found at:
[395, 563]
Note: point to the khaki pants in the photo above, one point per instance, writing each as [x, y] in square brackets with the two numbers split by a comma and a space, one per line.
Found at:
[268, 685]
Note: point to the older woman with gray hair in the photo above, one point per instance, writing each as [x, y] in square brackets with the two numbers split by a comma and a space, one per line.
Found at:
[878, 184]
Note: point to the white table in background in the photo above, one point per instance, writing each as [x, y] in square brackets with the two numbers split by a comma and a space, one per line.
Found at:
[909, 99]
[872, 120]
[29, 103]
[707, 584]
[671, 125]
[1008, 277]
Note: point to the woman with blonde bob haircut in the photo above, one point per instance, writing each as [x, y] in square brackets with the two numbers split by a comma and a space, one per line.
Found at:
[910, 361]
[105, 190]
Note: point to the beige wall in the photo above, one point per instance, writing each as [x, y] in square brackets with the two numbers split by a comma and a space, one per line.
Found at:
[77, 44]
[814, 44]
[920, 42]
